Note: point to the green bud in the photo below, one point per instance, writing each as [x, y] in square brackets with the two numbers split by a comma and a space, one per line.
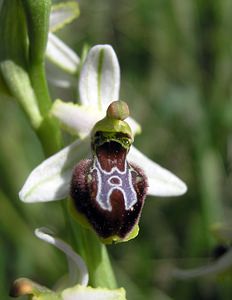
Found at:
[23, 35]
[13, 59]
[24, 286]
[19, 85]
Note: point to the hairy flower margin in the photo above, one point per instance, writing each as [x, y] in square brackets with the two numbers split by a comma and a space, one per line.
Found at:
[24, 286]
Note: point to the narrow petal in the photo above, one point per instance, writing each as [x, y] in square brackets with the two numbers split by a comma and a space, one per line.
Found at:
[76, 119]
[161, 182]
[220, 265]
[100, 77]
[76, 260]
[89, 293]
[62, 14]
[61, 55]
[51, 179]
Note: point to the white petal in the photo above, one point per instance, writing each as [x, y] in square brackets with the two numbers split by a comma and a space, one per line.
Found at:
[89, 293]
[76, 119]
[62, 14]
[76, 260]
[51, 179]
[100, 77]
[61, 55]
[220, 265]
[161, 182]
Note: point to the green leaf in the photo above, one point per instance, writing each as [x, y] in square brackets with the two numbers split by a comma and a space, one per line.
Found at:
[13, 59]
[13, 33]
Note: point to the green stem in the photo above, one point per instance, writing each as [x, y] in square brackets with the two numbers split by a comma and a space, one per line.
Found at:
[39, 83]
[48, 132]
[96, 257]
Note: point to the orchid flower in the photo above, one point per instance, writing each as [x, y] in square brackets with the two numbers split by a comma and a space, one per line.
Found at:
[24, 286]
[98, 86]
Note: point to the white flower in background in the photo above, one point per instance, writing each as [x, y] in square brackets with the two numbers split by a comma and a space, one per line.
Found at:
[98, 86]
[60, 56]
[24, 286]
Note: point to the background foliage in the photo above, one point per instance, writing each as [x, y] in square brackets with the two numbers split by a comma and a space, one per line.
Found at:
[176, 64]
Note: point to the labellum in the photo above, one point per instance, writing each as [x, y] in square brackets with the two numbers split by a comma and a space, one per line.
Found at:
[107, 191]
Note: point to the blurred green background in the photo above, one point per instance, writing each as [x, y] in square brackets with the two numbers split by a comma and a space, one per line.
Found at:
[176, 74]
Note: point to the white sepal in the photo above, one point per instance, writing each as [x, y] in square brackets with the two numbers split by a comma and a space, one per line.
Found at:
[61, 55]
[161, 182]
[62, 14]
[51, 179]
[100, 77]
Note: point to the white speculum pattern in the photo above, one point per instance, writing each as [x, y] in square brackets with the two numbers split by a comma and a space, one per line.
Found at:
[107, 182]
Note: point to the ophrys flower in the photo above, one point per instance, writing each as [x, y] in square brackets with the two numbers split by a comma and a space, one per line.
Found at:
[98, 87]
